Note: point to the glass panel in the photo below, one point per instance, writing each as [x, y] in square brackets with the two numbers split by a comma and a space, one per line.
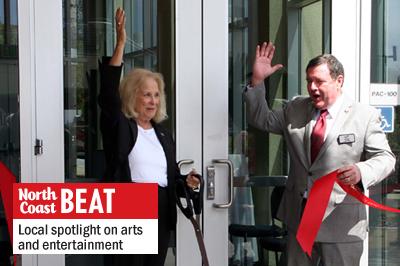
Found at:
[385, 68]
[9, 109]
[256, 155]
[311, 38]
[385, 61]
[88, 36]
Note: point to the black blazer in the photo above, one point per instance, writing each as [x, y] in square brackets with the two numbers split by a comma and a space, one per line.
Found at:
[119, 136]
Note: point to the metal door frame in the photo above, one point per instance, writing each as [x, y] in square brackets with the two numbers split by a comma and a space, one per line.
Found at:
[40, 36]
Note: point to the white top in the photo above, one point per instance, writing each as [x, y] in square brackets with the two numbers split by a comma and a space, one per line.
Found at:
[147, 160]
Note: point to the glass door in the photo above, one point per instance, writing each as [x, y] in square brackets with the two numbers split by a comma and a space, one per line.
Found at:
[165, 36]
[216, 167]
[89, 35]
[260, 160]
[385, 69]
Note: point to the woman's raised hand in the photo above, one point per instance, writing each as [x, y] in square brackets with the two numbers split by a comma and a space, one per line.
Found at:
[116, 59]
[120, 26]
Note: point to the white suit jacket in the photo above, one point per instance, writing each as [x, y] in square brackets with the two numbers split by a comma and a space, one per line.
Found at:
[355, 138]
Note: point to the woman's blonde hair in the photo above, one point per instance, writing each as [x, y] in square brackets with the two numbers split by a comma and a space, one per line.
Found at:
[131, 85]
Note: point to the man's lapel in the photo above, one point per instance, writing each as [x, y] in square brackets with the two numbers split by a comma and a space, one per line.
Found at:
[307, 134]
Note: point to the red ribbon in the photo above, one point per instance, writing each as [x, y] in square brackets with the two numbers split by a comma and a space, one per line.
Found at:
[314, 211]
[356, 193]
[7, 179]
[316, 207]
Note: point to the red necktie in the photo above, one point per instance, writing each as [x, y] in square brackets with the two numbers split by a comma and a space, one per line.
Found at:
[317, 135]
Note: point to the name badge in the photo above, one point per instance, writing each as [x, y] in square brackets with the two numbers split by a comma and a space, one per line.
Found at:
[346, 138]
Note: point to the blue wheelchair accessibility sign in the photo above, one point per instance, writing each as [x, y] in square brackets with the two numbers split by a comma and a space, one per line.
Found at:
[387, 115]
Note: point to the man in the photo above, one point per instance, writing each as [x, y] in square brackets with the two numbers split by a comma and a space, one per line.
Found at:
[324, 132]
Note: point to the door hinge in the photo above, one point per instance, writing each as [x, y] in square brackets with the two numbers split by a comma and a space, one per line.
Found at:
[38, 147]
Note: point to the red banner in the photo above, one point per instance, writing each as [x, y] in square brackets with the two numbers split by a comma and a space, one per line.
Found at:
[85, 201]
[80, 218]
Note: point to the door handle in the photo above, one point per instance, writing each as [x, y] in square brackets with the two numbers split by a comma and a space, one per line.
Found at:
[184, 161]
[230, 183]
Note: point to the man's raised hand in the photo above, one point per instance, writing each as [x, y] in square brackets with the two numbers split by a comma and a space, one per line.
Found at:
[262, 67]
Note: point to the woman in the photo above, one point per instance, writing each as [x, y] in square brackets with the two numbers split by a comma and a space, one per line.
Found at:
[137, 148]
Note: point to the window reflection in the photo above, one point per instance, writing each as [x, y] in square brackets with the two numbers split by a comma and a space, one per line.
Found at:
[385, 45]
[255, 155]
[89, 35]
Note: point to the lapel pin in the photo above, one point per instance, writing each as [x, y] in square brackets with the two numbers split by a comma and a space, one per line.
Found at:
[347, 109]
